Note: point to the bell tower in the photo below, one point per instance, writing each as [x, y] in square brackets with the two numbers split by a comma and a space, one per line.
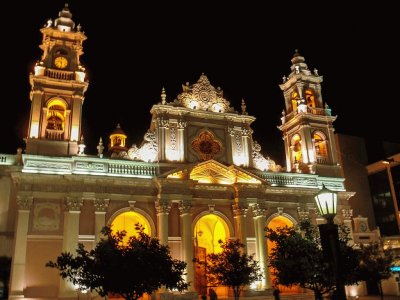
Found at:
[57, 90]
[307, 123]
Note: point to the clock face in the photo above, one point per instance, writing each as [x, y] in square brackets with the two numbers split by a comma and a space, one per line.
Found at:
[363, 226]
[61, 62]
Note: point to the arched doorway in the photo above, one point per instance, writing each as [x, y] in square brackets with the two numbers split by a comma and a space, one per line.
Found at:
[127, 221]
[280, 221]
[208, 230]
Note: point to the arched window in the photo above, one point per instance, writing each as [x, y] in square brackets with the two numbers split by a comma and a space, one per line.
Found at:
[321, 151]
[56, 113]
[310, 98]
[296, 148]
[295, 98]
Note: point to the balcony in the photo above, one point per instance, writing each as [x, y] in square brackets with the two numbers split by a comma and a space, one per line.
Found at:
[57, 74]
[311, 111]
[54, 134]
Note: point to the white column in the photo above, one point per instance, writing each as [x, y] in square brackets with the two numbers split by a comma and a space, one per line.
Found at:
[240, 223]
[17, 282]
[70, 239]
[163, 208]
[100, 209]
[261, 245]
[185, 208]
[246, 149]
[181, 140]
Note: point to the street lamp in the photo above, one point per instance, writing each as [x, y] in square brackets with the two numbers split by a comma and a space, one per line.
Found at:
[327, 203]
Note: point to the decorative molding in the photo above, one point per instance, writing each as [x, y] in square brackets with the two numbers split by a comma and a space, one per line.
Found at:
[206, 146]
[185, 207]
[73, 204]
[347, 213]
[163, 206]
[304, 214]
[211, 208]
[280, 210]
[239, 210]
[24, 202]
[258, 211]
[101, 205]
[132, 205]
[46, 216]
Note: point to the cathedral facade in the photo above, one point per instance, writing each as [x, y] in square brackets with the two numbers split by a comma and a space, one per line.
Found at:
[199, 176]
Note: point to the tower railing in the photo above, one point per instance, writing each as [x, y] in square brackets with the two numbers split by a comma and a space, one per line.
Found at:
[310, 110]
[58, 74]
[53, 134]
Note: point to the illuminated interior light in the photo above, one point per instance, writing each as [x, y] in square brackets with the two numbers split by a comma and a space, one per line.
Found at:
[127, 221]
[193, 104]
[34, 130]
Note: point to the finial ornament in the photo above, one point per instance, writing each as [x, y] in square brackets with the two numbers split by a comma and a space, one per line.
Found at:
[66, 5]
[316, 72]
[284, 78]
[100, 148]
[163, 96]
[81, 146]
[49, 23]
[244, 112]
[79, 28]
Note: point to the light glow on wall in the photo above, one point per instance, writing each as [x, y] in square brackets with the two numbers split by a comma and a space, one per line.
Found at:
[172, 154]
[34, 130]
[239, 159]
[74, 133]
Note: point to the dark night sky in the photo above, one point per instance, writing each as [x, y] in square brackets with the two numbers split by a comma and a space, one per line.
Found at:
[133, 51]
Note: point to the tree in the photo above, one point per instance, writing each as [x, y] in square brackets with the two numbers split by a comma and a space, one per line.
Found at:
[125, 268]
[232, 267]
[375, 264]
[297, 259]
[5, 270]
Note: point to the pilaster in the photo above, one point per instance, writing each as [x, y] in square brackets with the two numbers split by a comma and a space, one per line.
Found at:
[17, 282]
[185, 208]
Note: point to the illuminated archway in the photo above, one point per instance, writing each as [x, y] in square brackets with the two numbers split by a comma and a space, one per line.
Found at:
[310, 98]
[208, 230]
[127, 221]
[274, 223]
[296, 148]
[294, 98]
[321, 151]
[55, 118]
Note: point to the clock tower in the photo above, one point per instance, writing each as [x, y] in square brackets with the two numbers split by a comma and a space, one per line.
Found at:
[307, 127]
[57, 89]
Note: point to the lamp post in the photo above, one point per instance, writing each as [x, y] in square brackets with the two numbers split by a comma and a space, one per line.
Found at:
[327, 203]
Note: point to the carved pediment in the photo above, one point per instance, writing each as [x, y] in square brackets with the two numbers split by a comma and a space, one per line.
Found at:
[212, 171]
